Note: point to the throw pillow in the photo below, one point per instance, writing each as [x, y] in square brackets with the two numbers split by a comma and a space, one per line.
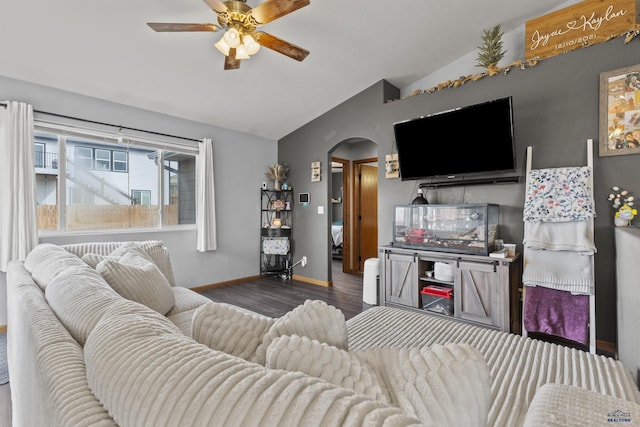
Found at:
[159, 254]
[93, 259]
[248, 335]
[440, 385]
[137, 278]
[314, 319]
[154, 250]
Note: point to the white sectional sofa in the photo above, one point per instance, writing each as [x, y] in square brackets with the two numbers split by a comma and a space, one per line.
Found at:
[95, 339]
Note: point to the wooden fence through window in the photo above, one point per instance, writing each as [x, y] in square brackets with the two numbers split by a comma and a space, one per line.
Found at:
[102, 217]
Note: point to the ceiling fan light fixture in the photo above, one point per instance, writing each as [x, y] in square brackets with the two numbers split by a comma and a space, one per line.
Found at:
[252, 46]
[232, 37]
[241, 52]
[223, 47]
[239, 22]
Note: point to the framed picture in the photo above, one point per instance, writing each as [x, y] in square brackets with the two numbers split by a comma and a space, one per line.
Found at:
[620, 111]
[315, 171]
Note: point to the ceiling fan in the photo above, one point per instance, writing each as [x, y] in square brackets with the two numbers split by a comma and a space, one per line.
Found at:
[241, 38]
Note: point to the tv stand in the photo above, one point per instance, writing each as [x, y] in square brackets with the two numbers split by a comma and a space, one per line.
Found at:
[485, 289]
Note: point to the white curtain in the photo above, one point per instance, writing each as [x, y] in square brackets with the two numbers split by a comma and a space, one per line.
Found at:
[205, 205]
[18, 218]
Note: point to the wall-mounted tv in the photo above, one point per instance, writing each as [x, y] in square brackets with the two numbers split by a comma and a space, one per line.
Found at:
[468, 144]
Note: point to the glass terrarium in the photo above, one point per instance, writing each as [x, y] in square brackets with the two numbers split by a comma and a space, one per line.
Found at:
[467, 228]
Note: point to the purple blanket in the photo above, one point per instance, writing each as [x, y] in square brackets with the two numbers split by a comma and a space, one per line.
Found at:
[558, 313]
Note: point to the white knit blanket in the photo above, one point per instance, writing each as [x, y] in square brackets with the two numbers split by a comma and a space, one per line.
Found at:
[574, 236]
[562, 270]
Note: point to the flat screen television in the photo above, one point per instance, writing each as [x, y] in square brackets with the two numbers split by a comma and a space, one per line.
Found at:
[470, 144]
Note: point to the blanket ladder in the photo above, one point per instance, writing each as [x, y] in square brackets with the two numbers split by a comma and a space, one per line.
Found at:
[592, 297]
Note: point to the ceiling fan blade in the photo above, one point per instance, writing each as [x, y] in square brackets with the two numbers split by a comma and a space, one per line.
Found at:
[273, 9]
[281, 46]
[230, 61]
[161, 27]
[217, 6]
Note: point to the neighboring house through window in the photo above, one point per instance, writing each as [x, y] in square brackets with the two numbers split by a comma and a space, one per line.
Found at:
[141, 197]
[120, 161]
[83, 157]
[39, 154]
[103, 159]
[100, 186]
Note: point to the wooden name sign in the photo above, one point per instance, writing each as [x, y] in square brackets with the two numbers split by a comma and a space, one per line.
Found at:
[583, 24]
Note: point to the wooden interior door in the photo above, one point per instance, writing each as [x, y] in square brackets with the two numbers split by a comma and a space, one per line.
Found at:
[367, 212]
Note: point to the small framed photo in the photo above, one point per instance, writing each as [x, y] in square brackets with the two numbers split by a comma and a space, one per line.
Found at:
[620, 111]
[315, 171]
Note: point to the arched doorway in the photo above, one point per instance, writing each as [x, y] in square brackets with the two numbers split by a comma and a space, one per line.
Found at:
[354, 203]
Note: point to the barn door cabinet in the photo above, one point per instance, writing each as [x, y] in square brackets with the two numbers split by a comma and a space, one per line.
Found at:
[484, 290]
[400, 276]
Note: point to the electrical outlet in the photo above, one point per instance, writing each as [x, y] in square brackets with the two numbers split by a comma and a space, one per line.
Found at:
[304, 261]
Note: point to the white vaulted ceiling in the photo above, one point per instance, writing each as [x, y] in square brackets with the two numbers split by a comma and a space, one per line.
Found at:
[105, 50]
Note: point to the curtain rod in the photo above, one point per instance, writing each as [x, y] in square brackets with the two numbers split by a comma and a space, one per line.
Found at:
[4, 105]
[115, 126]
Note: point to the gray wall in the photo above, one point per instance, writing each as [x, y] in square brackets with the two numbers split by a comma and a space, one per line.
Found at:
[240, 161]
[555, 111]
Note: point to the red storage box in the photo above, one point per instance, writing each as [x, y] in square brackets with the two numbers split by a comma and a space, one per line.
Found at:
[437, 299]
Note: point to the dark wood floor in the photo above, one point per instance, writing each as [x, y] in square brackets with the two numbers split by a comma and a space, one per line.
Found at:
[274, 297]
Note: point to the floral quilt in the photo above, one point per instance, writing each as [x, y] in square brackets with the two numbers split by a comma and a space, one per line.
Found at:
[559, 195]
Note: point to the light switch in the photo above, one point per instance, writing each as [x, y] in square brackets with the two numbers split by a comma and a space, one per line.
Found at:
[320, 210]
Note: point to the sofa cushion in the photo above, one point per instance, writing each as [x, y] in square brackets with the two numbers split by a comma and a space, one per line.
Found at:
[182, 320]
[226, 328]
[137, 278]
[146, 374]
[79, 296]
[442, 385]
[46, 261]
[248, 335]
[186, 300]
[340, 367]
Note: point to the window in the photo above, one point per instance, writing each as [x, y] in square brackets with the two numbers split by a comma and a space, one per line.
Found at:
[83, 157]
[39, 154]
[119, 161]
[103, 159]
[140, 197]
[100, 158]
[107, 185]
[179, 177]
